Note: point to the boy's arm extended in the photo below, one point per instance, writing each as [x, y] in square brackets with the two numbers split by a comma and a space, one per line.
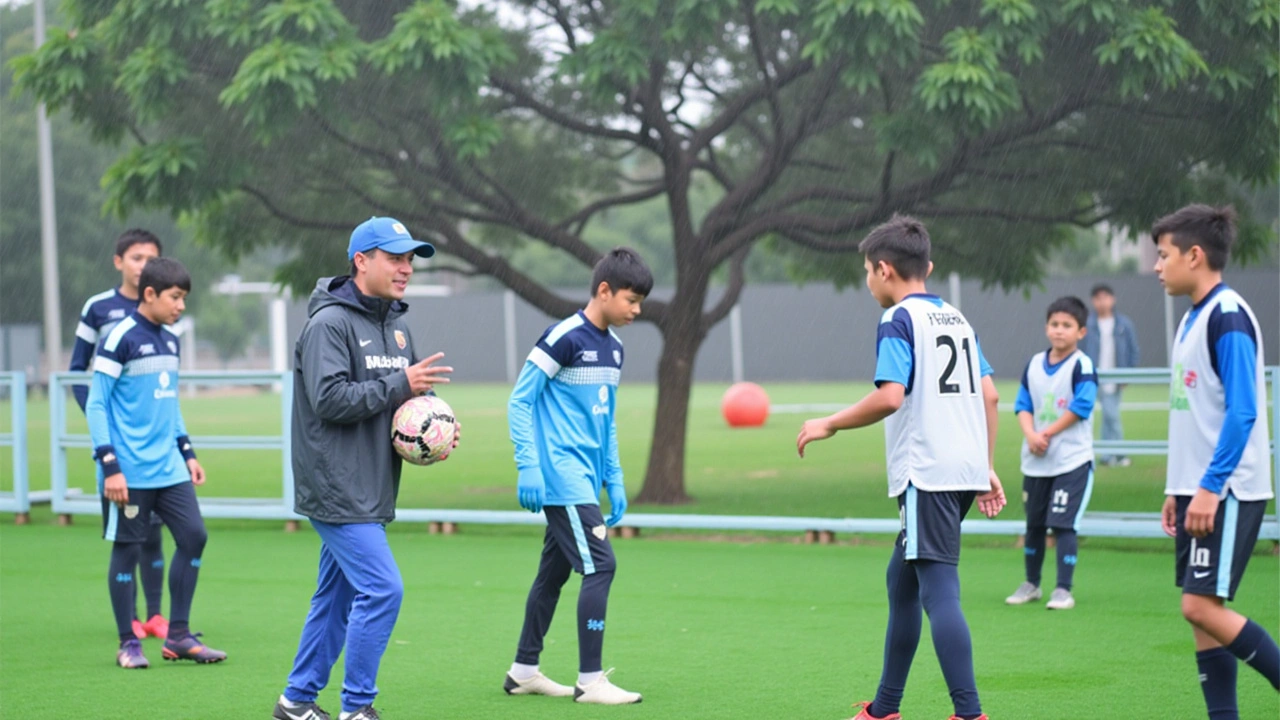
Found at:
[530, 486]
[876, 406]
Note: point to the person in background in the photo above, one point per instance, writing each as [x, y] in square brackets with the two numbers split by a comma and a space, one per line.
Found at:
[1111, 342]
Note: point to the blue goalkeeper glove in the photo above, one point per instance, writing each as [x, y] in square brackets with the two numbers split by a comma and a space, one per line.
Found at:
[531, 490]
[617, 503]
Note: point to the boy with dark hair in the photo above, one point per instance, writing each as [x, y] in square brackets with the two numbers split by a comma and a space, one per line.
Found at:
[355, 364]
[100, 314]
[1111, 341]
[561, 414]
[146, 463]
[1054, 407]
[935, 394]
[1219, 470]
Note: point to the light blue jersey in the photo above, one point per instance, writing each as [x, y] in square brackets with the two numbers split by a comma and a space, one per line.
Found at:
[134, 420]
[561, 412]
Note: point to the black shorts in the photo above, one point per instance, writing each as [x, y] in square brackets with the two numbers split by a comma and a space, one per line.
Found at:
[143, 515]
[1058, 502]
[1213, 565]
[580, 534]
[931, 523]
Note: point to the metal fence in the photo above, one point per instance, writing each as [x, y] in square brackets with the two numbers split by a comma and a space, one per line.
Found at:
[1097, 524]
[17, 500]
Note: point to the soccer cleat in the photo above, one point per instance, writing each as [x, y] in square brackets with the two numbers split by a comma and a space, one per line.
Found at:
[865, 713]
[983, 716]
[139, 630]
[298, 711]
[365, 713]
[1025, 593]
[539, 684]
[603, 692]
[130, 656]
[156, 627]
[1060, 599]
[190, 648]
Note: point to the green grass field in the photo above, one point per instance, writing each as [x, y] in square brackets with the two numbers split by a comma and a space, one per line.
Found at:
[704, 629]
[757, 626]
[728, 471]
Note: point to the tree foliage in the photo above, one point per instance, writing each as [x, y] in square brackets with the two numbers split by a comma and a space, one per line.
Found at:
[1003, 123]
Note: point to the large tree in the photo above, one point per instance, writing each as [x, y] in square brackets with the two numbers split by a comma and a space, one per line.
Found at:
[499, 125]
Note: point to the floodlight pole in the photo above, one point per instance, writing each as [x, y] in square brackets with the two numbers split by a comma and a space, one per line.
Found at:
[48, 227]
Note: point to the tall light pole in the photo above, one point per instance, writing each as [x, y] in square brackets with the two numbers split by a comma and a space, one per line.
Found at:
[48, 226]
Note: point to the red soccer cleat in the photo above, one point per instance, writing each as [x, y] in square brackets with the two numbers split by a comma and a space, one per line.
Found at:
[156, 627]
[139, 630]
[865, 713]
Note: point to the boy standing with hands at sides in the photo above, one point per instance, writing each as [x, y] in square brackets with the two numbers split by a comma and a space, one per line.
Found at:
[1219, 473]
[146, 460]
[561, 414]
[101, 313]
[1054, 408]
[935, 394]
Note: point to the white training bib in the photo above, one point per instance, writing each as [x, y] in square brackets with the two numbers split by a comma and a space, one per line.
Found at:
[1051, 396]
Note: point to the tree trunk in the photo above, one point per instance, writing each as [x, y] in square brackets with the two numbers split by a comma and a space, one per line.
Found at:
[664, 478]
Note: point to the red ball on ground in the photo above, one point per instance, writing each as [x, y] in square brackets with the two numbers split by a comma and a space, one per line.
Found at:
[745, 405]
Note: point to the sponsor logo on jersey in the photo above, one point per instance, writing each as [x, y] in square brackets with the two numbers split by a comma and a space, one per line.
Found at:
[590, 356]
[147, 349]
[603, 407]
[164, 391]
[617, 357]
[401, 340]
[1190, 379]
[116, 314]
[1178, 390]
[384, 362]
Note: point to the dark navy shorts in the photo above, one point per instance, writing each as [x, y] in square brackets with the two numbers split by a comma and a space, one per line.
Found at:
[579, 533]
[1213, 565]
[1058, 502]
[931, 523]
[147, 510]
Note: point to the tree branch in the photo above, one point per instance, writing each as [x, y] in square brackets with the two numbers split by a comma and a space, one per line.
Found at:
[732, 291]
[526, 100]
[739, 103]
[290, 218]
[579, 219]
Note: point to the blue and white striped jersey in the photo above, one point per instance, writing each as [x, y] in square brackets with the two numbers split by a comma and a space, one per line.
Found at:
[561, 412]
[100, 314]
[133, 405]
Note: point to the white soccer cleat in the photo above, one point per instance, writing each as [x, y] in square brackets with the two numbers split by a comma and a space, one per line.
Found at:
[1060, 599]
[1025, 593]
[539, 684]
[603, 692]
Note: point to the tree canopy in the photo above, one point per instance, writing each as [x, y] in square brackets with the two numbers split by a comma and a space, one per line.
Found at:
[1001, 123]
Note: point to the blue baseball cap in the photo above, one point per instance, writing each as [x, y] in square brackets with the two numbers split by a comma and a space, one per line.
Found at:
[386, 234]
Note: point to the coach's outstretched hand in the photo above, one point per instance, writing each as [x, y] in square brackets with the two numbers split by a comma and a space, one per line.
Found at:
[531, 490]
[992, 501]
[423, 375]
[617, 503]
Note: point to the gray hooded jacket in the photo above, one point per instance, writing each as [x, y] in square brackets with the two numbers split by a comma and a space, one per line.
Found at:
[348, 382]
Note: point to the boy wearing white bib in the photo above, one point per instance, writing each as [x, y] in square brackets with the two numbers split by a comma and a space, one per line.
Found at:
[938, 402]
[1054, 408]
[1219, 473]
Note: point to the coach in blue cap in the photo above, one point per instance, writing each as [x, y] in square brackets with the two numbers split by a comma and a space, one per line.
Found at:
[354, 365]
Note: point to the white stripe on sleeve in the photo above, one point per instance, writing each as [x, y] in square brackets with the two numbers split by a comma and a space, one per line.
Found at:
[545, 362]
[107, 366]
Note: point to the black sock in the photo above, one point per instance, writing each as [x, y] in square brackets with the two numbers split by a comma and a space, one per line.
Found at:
[940, 596]
[1257, 649]
[151, 570]
[1068, 550]
[593, 601]
[1218, 683]
[1033, 550]
[183, 574]
[120, 586]
[901, 636]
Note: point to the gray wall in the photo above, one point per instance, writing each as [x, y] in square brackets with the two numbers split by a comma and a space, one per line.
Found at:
[813, 332]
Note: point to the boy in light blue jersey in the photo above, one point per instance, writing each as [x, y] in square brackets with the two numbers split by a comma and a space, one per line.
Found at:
[1219, 470]
[1054, 408]
[101, 313]
[146, 463]
[561, 415]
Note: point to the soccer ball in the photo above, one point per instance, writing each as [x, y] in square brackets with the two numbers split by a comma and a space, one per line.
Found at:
[423, 430]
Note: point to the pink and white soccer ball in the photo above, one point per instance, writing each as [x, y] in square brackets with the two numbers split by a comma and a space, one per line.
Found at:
[423, 430]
